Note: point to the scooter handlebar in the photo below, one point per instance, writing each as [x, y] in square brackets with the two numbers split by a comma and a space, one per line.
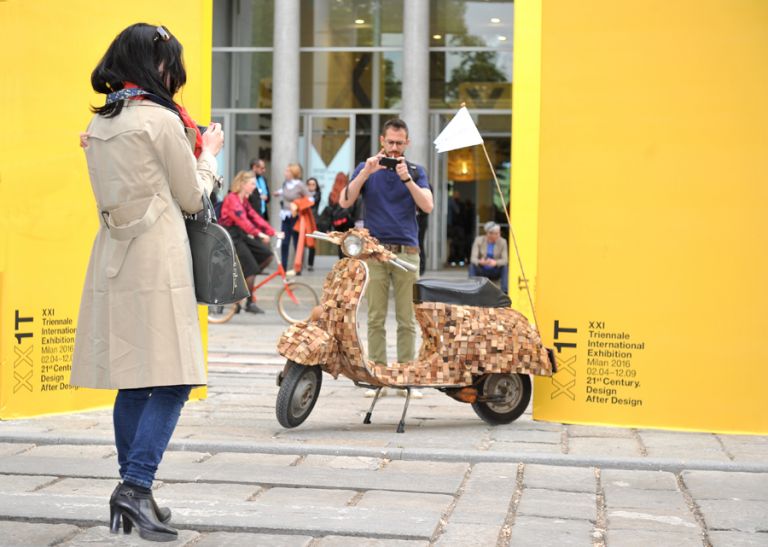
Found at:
[405, 266]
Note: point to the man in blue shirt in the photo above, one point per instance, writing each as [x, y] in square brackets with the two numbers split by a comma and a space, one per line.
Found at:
[390, 199]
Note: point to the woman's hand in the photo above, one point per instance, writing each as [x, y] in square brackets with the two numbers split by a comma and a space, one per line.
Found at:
[264, 237]
[294, 209]
[213, 139]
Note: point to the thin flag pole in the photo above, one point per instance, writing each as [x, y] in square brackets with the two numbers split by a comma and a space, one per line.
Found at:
[512, 236]
[461, 132]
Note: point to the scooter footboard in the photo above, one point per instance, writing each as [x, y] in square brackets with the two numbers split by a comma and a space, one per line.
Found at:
[306, 344]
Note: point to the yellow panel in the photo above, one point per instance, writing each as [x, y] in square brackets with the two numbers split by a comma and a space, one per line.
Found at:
[524, 190]
[652, 223]
[47, 214]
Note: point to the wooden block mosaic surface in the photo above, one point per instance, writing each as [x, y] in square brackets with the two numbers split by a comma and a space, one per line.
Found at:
[452, 352]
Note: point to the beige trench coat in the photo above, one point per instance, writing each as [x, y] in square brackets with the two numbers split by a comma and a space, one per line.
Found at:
[138, 323]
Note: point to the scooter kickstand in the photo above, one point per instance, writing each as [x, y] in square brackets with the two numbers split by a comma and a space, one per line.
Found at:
[401, 425]
[367, 419]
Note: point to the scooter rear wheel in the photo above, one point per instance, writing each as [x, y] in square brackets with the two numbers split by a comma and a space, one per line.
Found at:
[298, 393]
[513, 392]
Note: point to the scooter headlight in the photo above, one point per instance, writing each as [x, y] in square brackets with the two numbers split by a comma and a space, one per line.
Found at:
[352, 245]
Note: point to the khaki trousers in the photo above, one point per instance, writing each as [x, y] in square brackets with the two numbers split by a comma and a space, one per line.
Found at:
[381, 275]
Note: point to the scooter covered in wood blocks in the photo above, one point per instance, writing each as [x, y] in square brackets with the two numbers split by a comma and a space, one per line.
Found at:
[475, 347]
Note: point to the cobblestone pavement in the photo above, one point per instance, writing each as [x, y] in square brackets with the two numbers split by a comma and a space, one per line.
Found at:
[233, 476]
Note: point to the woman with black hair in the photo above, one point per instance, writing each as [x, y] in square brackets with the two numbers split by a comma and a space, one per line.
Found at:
[138, 330]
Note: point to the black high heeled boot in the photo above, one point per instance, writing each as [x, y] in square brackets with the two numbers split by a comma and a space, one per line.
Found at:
[163, 513]
[137, 509]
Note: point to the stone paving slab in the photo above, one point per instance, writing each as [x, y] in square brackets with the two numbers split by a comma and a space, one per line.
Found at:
[566, 479]
[34, 533]
[86, 453]
[483, 505]
[403, 500]
[422, 468]
[738, 539]
[526, 448]
[342, 462]
[648, 519]
[673, 444]
[659, 500]
[24, 483]
[720, 485]
[469, 535]
[392, 523]
[644, 538]
[536, 502]
[603, 446]
[638, 480]
[527, 436]
[530, 531]
[598, 431]
[100, 535]
[346, 541]
[172, 493]
[9, 449]
[740, 515]
[80, 487]
[307, 498]
[72, 467]
[231, 539]
[224, 514]
[256, 472]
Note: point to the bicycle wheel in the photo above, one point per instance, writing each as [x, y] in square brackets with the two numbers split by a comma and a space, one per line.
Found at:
[221, 314]
[295, 301]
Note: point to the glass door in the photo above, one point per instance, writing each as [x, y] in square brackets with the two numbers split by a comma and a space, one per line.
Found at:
[330, 149]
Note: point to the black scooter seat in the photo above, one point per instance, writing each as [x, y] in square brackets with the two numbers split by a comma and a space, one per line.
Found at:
[475, 291]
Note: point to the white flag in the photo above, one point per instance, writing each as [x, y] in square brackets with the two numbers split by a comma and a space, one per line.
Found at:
[459, 133]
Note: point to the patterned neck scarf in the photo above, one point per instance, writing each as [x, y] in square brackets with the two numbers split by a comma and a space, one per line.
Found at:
[133, 92]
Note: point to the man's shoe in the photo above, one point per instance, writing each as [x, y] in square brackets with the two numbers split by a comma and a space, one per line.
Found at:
[251, 307]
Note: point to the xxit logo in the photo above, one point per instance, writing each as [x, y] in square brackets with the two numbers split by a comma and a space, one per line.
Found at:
[23, 367]
[564, 381]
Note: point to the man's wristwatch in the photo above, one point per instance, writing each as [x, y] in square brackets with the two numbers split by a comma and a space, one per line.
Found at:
[406, 181]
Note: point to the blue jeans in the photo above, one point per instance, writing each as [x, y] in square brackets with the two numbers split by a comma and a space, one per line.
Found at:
[290, 234]
[144, 420]
[499, 272]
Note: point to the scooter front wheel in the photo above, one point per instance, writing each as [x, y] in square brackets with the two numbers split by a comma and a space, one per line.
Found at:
[503, 398]
[298, 393]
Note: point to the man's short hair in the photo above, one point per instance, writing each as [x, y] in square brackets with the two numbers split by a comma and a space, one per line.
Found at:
[394, 123]
[491, 227]
[254, 161]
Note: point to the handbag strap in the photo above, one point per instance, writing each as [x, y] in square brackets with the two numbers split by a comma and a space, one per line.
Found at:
[208, 210]
[206, 215]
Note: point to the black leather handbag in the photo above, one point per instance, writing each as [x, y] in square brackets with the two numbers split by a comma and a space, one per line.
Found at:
[217, 272]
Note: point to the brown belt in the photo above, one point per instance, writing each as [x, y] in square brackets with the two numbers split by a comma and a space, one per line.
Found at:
[407, 249]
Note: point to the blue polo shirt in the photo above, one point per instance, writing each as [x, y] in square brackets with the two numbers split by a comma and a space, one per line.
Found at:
[390, 212]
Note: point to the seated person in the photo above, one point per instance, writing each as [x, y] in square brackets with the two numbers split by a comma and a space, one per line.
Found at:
[489, 256]
[250, 233]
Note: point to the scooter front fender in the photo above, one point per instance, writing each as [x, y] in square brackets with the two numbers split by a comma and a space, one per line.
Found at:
[306, 344]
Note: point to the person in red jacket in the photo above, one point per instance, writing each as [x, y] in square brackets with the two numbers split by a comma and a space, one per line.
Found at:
[250, 233]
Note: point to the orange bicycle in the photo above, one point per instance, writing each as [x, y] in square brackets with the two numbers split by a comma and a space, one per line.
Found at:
[294, 300]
